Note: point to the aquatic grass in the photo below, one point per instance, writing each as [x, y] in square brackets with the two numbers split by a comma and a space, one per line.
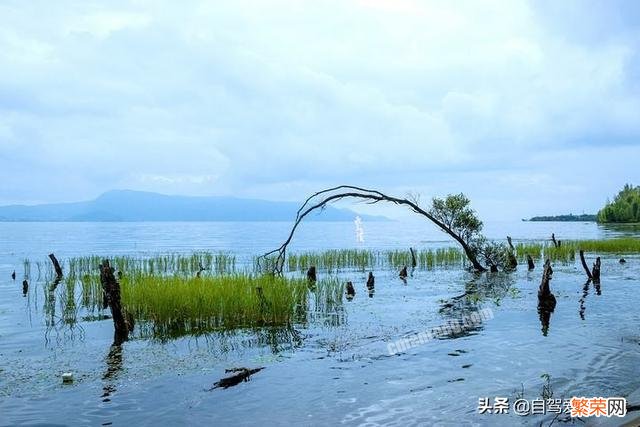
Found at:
[568, 249]
[171, 263]
[362, 259]
[229, 301]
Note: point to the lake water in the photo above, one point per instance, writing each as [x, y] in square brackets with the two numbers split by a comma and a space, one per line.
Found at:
[333, 369]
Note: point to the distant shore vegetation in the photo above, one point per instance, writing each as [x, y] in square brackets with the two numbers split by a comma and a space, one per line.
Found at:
[567, 218]
[625, 207]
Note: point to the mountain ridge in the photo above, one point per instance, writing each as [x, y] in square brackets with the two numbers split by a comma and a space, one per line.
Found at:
[144, 206]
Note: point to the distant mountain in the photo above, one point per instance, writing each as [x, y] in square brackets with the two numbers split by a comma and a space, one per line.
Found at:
[127, 205]
[567, 218]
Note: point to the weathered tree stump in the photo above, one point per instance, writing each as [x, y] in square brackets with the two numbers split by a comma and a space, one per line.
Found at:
[414, 261]
[595, 272]
[111, 289]
[25, 287]
[512, 261]
[493, 268]
[56, 265]
[371, 281]
[351, 291]
[13, 275]
[622, 261]
[403, 272]
[546, 299]
[530, 264]
[555, 242]
[311, 274]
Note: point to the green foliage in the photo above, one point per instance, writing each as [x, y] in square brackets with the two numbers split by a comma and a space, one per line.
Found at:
[455, 213]
[624, 208]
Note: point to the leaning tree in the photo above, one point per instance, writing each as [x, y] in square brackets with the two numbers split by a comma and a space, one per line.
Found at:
[451, 214]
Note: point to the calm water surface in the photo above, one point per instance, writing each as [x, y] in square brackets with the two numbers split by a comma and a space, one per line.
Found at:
[334, 369]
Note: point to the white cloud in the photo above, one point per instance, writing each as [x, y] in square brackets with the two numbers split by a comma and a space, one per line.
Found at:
[281, 97]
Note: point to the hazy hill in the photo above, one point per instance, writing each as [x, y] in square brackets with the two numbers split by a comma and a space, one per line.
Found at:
[127, 205]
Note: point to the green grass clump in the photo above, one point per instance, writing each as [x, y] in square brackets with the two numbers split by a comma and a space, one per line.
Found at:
[210, 302]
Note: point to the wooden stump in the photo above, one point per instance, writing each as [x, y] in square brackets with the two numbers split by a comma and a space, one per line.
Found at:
[56, 265]
[311, 274]
[371, 281]
[111, 289]
[25, 287]
[403, 272]
[546, 299]
[351, 291]
[530, 263]
[584, 265]
[595, 273]
[414, 262]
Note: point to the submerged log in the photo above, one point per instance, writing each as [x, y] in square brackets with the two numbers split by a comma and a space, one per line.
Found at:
[351, 291]
[56, 265]
[111, 289]
[240, 375]
[584, 265]
[25, 287]
[414, 262]
[311, 274]
[530, 263]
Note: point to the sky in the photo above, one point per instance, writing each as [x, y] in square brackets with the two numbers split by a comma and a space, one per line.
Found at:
[528, 107]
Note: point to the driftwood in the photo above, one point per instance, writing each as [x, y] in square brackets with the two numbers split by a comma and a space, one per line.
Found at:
[56, 265]
[25, 287]
[322, 199]
[111, 289]
[414, 262]
[240, 375]
[530, 263]
[351, 291]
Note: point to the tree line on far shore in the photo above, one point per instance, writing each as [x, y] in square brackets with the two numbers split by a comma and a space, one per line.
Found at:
[625, 206]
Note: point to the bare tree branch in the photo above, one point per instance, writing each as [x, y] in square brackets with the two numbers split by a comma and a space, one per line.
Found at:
[323, 198]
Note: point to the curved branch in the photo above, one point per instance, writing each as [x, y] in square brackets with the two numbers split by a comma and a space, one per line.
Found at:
[372, 196]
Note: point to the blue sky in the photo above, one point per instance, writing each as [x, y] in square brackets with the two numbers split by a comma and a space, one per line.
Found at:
[527, 107]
